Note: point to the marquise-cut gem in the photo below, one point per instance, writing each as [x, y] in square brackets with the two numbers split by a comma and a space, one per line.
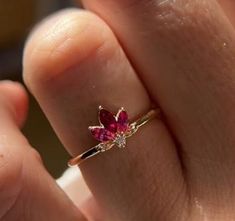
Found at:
[101, 134]
[108, 120]
[122, 121]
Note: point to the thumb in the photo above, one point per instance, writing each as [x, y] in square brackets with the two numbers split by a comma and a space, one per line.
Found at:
[27, 191]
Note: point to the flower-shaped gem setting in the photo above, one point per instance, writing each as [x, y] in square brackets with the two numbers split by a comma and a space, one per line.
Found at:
[113, 128]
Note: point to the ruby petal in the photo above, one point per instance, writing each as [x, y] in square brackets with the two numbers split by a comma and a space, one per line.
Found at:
[108, 120]
[101, 134]
[122, 121]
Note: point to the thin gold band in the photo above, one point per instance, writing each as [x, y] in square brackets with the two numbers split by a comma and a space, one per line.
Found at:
[102, 147]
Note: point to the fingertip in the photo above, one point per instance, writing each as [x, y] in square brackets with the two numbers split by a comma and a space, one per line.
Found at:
[14, 97]
[61, 42]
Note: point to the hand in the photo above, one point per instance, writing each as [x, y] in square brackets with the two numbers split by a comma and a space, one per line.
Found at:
[178, 55]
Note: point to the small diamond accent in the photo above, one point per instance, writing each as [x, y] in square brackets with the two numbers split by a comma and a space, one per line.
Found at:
[120, 140]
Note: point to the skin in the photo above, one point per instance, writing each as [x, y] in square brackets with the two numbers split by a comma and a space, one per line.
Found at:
[178, 55]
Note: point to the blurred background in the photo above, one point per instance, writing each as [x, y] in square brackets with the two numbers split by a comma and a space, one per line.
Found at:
[16, 20]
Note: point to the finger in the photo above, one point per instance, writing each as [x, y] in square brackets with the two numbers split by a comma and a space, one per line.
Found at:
[184, 53]
[70, 80]
[27, 192]
[229, 9]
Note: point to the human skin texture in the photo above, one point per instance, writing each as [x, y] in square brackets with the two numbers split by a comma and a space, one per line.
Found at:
[178, 55]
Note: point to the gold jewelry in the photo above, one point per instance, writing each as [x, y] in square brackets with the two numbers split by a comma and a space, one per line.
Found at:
[113, 131]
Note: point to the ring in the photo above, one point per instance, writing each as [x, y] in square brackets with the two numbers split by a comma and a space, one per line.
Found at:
[113, 131]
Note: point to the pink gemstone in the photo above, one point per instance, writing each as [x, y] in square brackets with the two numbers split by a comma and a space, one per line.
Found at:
[101, 134]
[122, 121]
[108, 120]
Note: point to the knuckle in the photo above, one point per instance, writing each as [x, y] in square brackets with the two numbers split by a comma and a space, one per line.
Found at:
[180, 15]
[186, 28]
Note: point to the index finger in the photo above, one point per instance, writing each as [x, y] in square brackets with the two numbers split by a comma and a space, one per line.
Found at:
[79, 67]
